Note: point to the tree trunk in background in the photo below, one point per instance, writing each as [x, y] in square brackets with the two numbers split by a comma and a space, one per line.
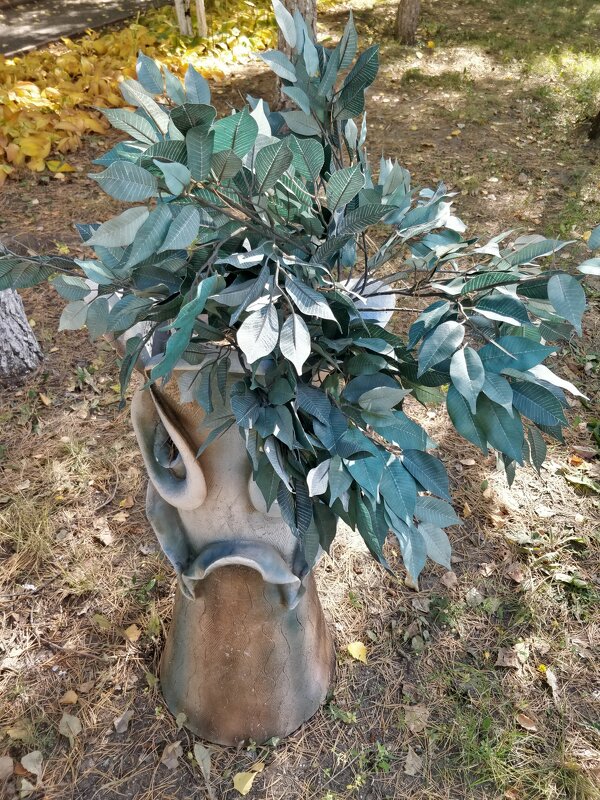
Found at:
[20, 353]
[308, 9]
[184, 18]
[594, 132]
[201, 18]
[407, 20]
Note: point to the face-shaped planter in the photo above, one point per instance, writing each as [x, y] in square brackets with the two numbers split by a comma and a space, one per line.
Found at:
[248, 655]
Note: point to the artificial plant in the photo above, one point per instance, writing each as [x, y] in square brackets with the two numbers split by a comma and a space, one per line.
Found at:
[269, 236]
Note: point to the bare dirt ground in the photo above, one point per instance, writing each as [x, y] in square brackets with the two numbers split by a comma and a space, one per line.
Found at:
[482, 684]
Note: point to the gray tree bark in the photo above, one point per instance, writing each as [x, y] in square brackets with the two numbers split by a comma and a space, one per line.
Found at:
[407, 20]
[20, 353]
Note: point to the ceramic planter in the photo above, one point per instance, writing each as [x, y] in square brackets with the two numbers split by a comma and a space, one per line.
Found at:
[248, 654]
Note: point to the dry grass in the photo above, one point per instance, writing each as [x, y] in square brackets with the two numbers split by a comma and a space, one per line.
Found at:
[79, 563]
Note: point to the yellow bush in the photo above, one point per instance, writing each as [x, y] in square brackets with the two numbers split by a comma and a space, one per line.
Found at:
[48, 97]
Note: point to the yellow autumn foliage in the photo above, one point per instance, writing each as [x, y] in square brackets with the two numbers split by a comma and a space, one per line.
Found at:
[48, 97]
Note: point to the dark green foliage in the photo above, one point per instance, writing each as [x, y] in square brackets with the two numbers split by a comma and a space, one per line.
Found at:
[269, 238]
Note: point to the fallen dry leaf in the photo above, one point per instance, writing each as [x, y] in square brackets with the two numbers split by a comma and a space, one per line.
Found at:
[70, 727]
[45, 399]
[102, 531]
[466, 512]
[86, 687]
[508, 658]
[358, 651]
[474, 598]
[421, 604]
[18, 731]
[242, 781]
[516, 573]
[180, 720]
[126, 502]
[449, 579]
[552, 683]
[122, 723]
[526, 722]
[202, 756]
[6, 767]
[69, 698]
[413, 764]
[171, 755]
[544, 511]
[132, 633]
[33, 763]
[26, 788]
[416, 718]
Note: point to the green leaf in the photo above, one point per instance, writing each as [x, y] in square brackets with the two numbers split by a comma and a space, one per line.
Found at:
[165, 151]
[193, 115]
[237, 132]
[308, 156]
[258, 334]
[351, 100]
[568, 298]
[518, 352]
[150, 236]
[182, 231]
[294, 342]
[176, 176]
[348, 44]
[125, 181]
[437, 544]
[487, 279]
[382, 398]
[279, 64]
[97, 318]
[468, 375]
[499, 390]
[301, 123]
[330, 74]
[149, 74]
[307, 300]
[502, 308]
[398, 489]
[225, 165]
[464, 421]
[436, 512]
[590, 267]
[298, 96]
[197, 89]
[360, 218]
[326, 523]
[71, 287]
[537, 403]
[173, 86]
[428, 470]
[285, 21]
[136, 95]
[533, 251]
[73, 316]
[594, 241]
[412, 545]
[126, 312]
[502, 431]
[270, 164]
[440, 345]
[121, 230]
[537, 448]
[404, 432]
[343, 187]
[132, 124]
[318, 478]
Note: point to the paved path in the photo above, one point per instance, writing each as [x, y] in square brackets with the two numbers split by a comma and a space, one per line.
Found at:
[28, 25]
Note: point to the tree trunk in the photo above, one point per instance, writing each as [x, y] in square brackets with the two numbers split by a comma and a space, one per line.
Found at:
[20, 353]
[184, 17]
[407, 20]
[201, 18]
